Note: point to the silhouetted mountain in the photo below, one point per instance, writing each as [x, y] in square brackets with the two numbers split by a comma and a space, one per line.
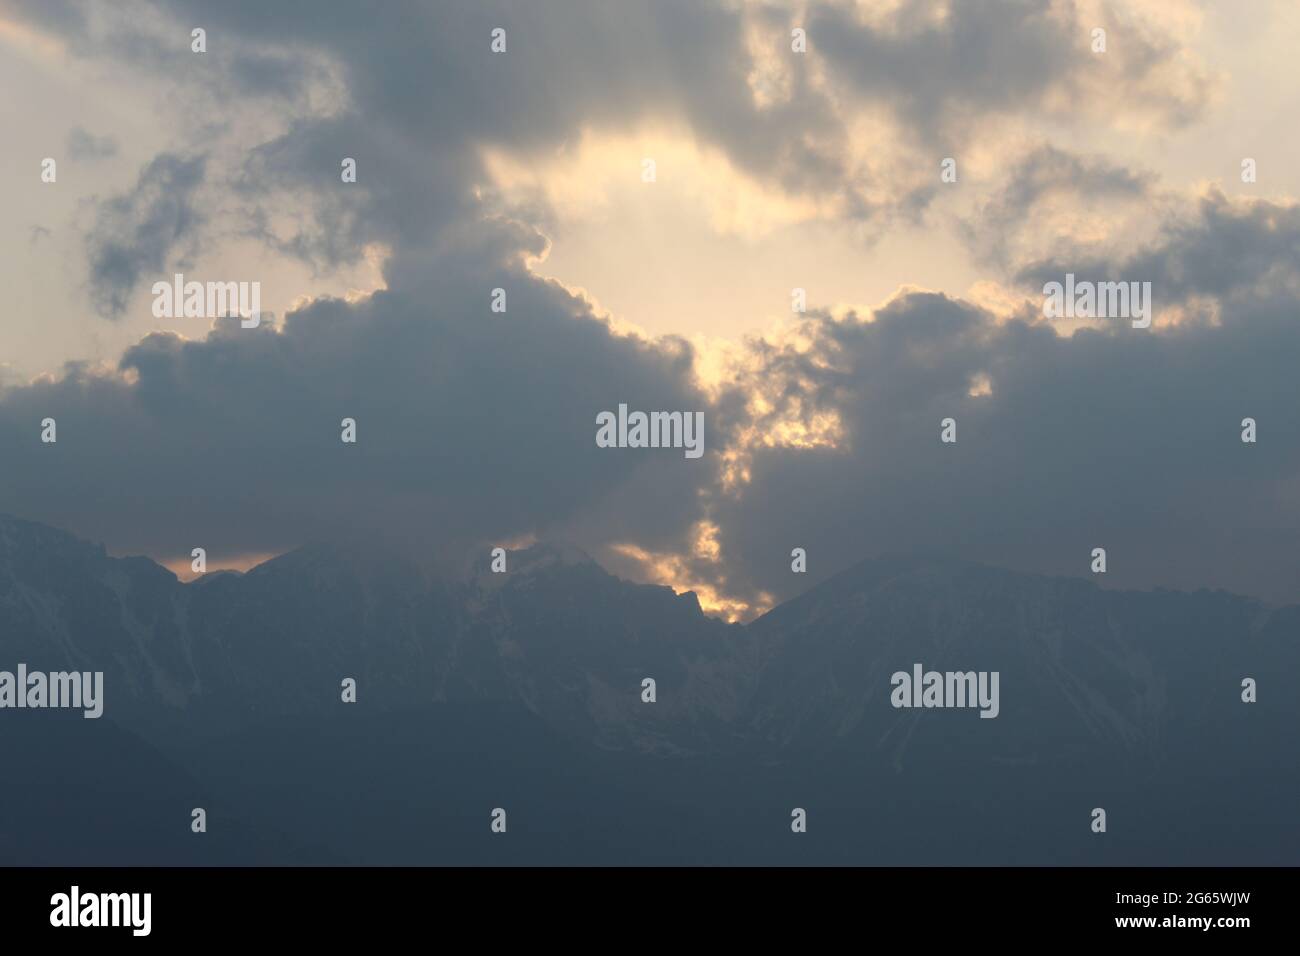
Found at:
[556, 634]
[523, 690]
[1083, 669]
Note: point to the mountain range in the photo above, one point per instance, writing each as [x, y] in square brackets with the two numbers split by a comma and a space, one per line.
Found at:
[523, 691]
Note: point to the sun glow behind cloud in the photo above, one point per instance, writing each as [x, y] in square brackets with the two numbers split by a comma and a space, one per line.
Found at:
[592, 180]
[675, 571]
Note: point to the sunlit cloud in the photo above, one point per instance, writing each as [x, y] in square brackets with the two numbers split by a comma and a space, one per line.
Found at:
[677, 571]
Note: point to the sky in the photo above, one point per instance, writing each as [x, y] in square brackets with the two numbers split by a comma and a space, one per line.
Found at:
[774, 169]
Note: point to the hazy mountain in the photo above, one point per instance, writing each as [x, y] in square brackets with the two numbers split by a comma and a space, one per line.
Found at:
[1082, 668]
[523, 690]
[556, 635]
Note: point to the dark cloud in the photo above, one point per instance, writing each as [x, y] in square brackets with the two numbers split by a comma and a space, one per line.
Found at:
[133, 234]
[1115, 438]
[473, 426]
[419, 92]
[425, 94]
[1227, 250]
[943, 74]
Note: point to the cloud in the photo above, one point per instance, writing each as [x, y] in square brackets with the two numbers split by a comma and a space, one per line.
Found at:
[473, 426]
[476, 427]
[1112, 437]
[1051, 197]
[1218, 249]
[416, 96]
[134, 233]
[948, 68]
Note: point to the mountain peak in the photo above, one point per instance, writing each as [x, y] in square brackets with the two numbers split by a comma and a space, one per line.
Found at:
[545, 556]
[549, 554]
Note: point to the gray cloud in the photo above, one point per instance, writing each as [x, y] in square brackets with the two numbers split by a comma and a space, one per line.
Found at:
[1218, 248]
[421, 92]
[134, 233]
[425, 94]
[943, 74]
[473, 426]
[1014, 215]
[1115, 438]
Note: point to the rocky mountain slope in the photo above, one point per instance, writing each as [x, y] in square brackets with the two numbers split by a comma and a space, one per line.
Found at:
[525, 688]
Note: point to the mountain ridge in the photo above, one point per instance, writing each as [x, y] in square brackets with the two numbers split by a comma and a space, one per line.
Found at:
[526, 689]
